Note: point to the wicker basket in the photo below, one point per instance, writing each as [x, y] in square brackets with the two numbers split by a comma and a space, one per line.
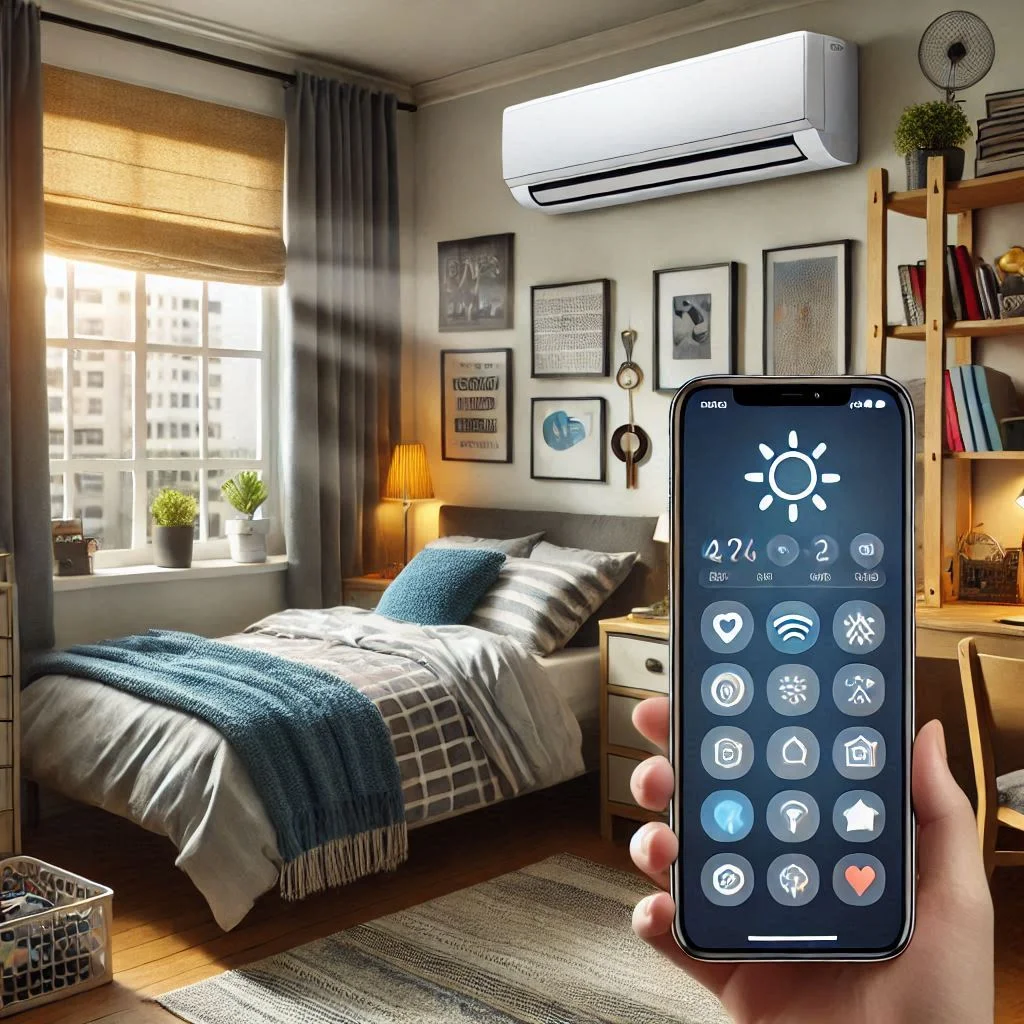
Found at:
[54, 953]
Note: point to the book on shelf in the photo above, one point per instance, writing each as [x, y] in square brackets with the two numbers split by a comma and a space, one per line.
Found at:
[998, 397]
[968, 284]
[983, 167]
[954, 439]
[956, 380]
[1005, 101]
[953, 290]
[976, 400]
[907, 294]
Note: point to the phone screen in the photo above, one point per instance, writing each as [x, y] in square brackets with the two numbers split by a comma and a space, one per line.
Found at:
[792, 661]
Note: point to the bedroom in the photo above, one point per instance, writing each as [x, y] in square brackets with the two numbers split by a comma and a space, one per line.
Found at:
[252, 400]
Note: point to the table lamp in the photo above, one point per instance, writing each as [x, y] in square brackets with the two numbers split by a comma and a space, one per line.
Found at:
[408, 481]
[658, 610]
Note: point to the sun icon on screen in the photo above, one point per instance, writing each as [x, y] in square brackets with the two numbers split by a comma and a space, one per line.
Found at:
[801, 476]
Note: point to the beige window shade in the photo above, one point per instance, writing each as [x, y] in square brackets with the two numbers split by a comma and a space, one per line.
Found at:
[154, 181]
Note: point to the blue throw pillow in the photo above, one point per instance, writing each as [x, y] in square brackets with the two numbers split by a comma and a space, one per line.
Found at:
[441, 586]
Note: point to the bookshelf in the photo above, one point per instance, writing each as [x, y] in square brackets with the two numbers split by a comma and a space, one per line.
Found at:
[935, 203]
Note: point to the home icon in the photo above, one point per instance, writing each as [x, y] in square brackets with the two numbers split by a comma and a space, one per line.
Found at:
[860, 817]
[794, 751]
[861, 752]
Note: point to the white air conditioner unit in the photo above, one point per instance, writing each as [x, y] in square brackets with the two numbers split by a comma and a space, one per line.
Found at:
[775, 107]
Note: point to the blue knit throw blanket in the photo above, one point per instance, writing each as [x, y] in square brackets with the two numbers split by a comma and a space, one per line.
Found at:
[317, 750]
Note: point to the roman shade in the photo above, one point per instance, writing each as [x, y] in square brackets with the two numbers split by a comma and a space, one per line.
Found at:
[163, 183]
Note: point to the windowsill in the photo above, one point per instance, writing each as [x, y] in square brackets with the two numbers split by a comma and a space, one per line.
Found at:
[205, 569]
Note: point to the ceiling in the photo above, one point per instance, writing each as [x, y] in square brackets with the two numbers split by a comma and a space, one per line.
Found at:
[411, 41]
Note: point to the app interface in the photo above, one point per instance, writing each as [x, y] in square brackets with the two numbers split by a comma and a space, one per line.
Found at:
[792, 718]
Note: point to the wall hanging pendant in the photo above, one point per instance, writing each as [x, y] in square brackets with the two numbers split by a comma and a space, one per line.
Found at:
[630, 442]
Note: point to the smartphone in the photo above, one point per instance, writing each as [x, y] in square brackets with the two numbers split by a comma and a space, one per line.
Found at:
[792, 650]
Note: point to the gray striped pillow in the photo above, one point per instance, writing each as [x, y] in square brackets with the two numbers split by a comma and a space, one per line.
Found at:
[542, 604]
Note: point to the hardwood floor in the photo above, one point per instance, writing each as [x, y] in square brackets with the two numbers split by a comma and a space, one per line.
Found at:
[164, 936]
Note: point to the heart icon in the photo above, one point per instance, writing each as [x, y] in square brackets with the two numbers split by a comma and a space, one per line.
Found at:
[727, 626]
[860, 879]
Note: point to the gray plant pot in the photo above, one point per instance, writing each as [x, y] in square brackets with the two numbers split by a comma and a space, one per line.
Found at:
[917, 165]
[172, 546]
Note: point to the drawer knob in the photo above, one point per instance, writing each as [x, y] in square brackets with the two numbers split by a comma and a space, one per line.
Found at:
[654, 665]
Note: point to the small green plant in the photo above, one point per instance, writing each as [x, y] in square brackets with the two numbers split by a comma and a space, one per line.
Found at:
[933, 125]
[172, 508]
[246, 492]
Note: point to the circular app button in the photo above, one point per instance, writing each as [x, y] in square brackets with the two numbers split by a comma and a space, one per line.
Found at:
[727, 816]
[783, 550]
[793, 816]
[859, 753]
[859, 880]
[726, 627]
[858, 627]
[792, 627]
[726, 689]
[793, 880]
[793, 689]
[824, 550]
[859, 816]
[727, 879]
[858, 690]
[866, 550]
[727, 752]
[793, 753]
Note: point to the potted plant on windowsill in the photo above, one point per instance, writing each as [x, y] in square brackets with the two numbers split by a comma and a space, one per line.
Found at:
[174, 518]
[936, 128]
[247, 536]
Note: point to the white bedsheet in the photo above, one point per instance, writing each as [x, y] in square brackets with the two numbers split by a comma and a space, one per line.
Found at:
[575, 674]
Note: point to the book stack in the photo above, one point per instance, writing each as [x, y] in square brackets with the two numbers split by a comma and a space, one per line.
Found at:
[1001, 134]
[973, 288]
[977, 398]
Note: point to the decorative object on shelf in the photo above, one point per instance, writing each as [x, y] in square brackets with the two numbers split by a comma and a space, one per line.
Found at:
[807, 308]
[988, 571]
[247, 536]
[1010, 268]
[568, 439]
[658, 610]
[570, 329]
[476, 405]
[631, 444]
[72, 550]
[174, 518]
[935, 128]
[475, 278]
[408, 481]
[694, 323]
[1001, 134]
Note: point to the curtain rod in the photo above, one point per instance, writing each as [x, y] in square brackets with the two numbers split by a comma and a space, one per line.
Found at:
[182, 51]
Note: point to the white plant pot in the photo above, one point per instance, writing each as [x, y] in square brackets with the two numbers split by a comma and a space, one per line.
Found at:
[247, 539]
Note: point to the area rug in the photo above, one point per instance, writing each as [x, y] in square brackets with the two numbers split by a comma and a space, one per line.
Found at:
[549, 943]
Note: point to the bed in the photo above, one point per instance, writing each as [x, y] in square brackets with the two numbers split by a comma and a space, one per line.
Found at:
[175, 775]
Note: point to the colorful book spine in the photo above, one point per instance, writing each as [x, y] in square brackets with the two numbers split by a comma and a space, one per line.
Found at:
[962, 416]
[907, 293]
[981, 440]
[917, 290]
[995, 442]
[956, 299]
[955, 441]
[968, 284]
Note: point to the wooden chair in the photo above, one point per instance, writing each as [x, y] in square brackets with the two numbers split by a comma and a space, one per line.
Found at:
[994, 701]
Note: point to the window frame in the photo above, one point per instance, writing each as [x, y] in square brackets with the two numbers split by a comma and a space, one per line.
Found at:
[140, 463]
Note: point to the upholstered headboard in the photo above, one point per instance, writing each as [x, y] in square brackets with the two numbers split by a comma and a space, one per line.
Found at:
[646, 583]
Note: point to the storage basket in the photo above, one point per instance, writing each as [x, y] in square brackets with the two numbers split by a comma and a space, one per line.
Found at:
[56, 952]
[993, 579]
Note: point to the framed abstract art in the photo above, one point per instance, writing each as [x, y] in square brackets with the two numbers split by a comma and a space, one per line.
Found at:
[568, 438]
[476, 405]
[570, 329]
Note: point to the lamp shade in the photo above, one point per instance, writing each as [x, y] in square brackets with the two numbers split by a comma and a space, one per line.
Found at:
[661, 531]
[409, 475]
[1020, 499]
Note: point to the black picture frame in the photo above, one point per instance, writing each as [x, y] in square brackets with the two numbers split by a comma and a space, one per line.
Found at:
[844, 250]
[604, 366]
[600, 456]
[504, 408]
[707, 275]
[464, 265]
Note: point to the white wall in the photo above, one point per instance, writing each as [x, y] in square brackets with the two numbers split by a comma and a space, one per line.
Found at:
[460, 192]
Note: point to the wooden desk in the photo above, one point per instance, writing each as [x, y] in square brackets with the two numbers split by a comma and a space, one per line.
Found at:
[939, 630]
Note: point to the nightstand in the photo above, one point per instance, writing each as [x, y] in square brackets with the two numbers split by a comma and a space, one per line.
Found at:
[363, 591]
[634, 665]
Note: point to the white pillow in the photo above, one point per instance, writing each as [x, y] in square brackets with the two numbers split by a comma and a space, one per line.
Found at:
[514, 547]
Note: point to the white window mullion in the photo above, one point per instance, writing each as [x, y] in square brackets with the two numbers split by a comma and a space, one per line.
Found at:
[69, 373]
[204, 404]
[140, 502]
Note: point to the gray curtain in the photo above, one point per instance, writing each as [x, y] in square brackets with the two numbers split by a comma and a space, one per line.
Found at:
[24, 441]
[340, 412]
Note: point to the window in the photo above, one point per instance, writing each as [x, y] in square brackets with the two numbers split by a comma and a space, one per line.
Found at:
[150, 427]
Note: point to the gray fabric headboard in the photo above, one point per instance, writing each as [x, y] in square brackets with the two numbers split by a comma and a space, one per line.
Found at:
[646, 583]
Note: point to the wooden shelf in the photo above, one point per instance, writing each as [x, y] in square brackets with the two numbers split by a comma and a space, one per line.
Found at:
[966, 616]
[973, 194]
[963, 329]
[986, 456]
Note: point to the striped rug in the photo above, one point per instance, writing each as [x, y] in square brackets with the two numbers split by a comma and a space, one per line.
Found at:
[549, 943]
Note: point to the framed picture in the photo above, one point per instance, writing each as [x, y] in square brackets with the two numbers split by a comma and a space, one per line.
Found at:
[568, 438]
[570, 329]
[475, 282]
[807, 309]
[476, 405]
[694, 323]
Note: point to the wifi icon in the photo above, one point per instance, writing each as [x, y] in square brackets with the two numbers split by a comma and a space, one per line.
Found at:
[792, 627]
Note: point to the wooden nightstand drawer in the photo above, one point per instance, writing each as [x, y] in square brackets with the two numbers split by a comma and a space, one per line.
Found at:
[619, 771]
[6, 616]
[6, 654]
[636, 663]
[621, 732]
[6, 697]
[6, 743]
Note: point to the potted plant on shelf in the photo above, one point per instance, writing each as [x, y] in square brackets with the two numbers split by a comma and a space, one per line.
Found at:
[247, 537]
[929, 129]
[174, 518]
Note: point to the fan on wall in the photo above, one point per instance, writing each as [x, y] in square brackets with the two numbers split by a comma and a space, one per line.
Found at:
[956, 51]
